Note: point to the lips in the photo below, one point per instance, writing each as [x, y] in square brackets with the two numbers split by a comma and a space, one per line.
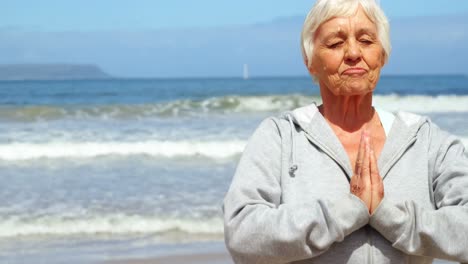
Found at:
[355, 71]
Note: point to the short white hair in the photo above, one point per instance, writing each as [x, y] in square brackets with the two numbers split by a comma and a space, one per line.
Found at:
[324, 10]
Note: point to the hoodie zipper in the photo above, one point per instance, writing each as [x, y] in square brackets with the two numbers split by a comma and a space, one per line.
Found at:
[370, 256]
[343, 166]
[392, 162]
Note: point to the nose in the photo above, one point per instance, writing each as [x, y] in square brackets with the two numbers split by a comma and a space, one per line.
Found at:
[353, 51]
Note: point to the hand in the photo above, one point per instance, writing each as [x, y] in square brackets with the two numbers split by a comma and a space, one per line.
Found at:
[377, 189]
[360, 182]
[366, 183]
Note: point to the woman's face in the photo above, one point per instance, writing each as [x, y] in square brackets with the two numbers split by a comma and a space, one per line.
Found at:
[347, 55]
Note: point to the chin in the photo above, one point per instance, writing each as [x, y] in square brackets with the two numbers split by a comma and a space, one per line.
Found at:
[349, 87]
[356, 87]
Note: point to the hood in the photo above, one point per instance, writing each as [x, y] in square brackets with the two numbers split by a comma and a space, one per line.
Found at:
[299, 117]
[400, 128]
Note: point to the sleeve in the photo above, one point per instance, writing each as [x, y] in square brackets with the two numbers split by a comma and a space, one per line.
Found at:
[260, 229]
[440, 233]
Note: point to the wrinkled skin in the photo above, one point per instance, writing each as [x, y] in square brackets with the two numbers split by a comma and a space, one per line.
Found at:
[366, 183]
[347, 60]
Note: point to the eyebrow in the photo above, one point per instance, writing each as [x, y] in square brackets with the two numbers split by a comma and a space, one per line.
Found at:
[368, 31]
[341, 33]
[334, 34]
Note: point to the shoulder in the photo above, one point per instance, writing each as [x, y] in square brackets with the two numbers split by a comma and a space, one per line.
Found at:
[267, 134]
[420, 124]
[277, 125]
[439, 140]
[411, 119]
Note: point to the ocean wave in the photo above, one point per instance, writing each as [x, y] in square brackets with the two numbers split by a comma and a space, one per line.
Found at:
[223, 105]
[168, 149]
[422, 104]
[116, 224]
[217, 150]
[187, 107]
[465, 142]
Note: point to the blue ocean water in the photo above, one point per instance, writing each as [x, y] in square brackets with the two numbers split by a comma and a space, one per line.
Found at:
[95, 170]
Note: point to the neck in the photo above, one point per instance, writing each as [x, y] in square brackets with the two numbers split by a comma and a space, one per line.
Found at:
[349, 113]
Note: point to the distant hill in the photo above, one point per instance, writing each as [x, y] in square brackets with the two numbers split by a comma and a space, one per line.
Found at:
[51, 72]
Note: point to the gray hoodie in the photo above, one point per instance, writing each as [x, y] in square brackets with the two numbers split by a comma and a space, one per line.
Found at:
[289, 200]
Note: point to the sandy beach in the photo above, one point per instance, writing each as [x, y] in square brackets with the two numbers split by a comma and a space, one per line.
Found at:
[205, 258]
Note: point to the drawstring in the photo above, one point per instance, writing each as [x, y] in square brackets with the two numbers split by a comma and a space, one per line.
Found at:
[293, 167]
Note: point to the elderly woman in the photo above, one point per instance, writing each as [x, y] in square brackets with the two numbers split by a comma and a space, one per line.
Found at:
[345, 182]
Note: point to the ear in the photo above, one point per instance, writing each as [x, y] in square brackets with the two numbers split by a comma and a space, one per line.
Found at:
[383, 58]
[312, 68]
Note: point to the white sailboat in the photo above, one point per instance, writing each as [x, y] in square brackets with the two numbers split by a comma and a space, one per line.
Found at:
[246, 71]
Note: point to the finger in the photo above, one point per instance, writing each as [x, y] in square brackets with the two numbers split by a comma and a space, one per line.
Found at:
[376, 181]
[365, 171]
[374, 169]
[360, 156]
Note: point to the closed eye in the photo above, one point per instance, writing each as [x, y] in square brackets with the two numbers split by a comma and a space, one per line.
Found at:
[335, 45]
[366, 41]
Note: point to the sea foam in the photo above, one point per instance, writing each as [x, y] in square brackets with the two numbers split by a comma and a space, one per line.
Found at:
[223, 105]
[168, 149]
[114, 224]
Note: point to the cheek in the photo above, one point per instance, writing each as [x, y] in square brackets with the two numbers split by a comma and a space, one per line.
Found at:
[374, 64]
[375, 59]
[331, 62]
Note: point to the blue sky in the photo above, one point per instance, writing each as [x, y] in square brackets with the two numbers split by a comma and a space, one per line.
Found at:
[203, 38]
[92, 15]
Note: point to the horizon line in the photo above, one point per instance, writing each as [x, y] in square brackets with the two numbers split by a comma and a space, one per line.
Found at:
[115, 78]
